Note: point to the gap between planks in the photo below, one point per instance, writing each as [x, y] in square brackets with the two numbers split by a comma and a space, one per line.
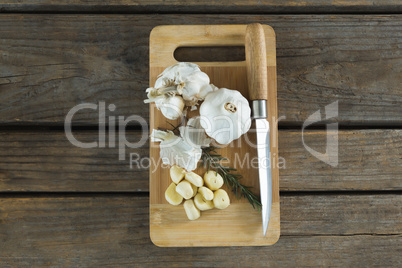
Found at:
[32, 161]
[203, 6]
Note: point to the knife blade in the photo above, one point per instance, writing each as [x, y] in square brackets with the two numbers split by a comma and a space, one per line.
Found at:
[257, 77]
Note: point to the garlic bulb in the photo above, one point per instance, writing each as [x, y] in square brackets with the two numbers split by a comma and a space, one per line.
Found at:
[194, 134]
[174, 150]
[225, 115]
[186, 77]
[182, 84]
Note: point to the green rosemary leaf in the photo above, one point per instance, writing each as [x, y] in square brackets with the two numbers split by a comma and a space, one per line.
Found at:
[211, 158]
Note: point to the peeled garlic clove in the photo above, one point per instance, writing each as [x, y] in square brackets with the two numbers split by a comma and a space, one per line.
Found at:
[192, 211]
[202, 204]
[177, 173]
[194, 179]
[184, 189]
[172, 196]
[221, 199]
[195, 189]
[206, 193]
[213, 180]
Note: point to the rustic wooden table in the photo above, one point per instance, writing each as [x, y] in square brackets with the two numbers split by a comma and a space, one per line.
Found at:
[61, 205]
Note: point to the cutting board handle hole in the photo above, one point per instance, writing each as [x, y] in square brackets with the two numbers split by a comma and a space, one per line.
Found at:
[210, 54]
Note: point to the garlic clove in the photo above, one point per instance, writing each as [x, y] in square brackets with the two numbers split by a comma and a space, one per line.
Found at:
[192, 211]
[206, 193]
[221, 199]
[172, 196]
[206, 89]
[213, 180]
[175, 150]
[225, 115]
[185, 78]
[193, 83]
[184, 189]
[176, 173]
[194, 134]
[203, 204]
[194, 179]
[171, 107]
[195, 189]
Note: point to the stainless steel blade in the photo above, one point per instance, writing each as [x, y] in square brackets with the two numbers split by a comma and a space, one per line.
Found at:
[264, 170]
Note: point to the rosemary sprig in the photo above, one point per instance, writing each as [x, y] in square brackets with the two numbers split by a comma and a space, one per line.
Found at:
[211, 159]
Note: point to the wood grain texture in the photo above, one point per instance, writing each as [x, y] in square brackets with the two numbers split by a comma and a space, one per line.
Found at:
[76, 59]
[113, 230]
[256, 62]
[167, 227]
[33, 161]
[204, 6]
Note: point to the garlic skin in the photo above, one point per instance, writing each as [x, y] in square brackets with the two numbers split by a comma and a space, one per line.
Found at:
[171, 106]
[182, 84]
[225, 115]
[187, 78]
[174, 150]
[194, 134]
[206, 89]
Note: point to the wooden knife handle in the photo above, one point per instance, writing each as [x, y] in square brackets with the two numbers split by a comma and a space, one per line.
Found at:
[256, 60]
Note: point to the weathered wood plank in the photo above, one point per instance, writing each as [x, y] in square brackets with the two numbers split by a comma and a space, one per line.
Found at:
[114, 230]
[367, 160]
[203, 6]
[49, 64]
[37, 161]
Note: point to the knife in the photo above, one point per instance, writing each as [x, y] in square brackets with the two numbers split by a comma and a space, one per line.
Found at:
[256, 62]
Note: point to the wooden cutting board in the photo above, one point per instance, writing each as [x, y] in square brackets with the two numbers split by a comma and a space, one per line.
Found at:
[239, 224]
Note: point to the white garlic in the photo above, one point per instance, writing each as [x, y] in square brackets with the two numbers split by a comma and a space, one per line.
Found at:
[206, 89]
[194, 134]
[225, 115]
[170, 105]
[174, 150]
[187, 78]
